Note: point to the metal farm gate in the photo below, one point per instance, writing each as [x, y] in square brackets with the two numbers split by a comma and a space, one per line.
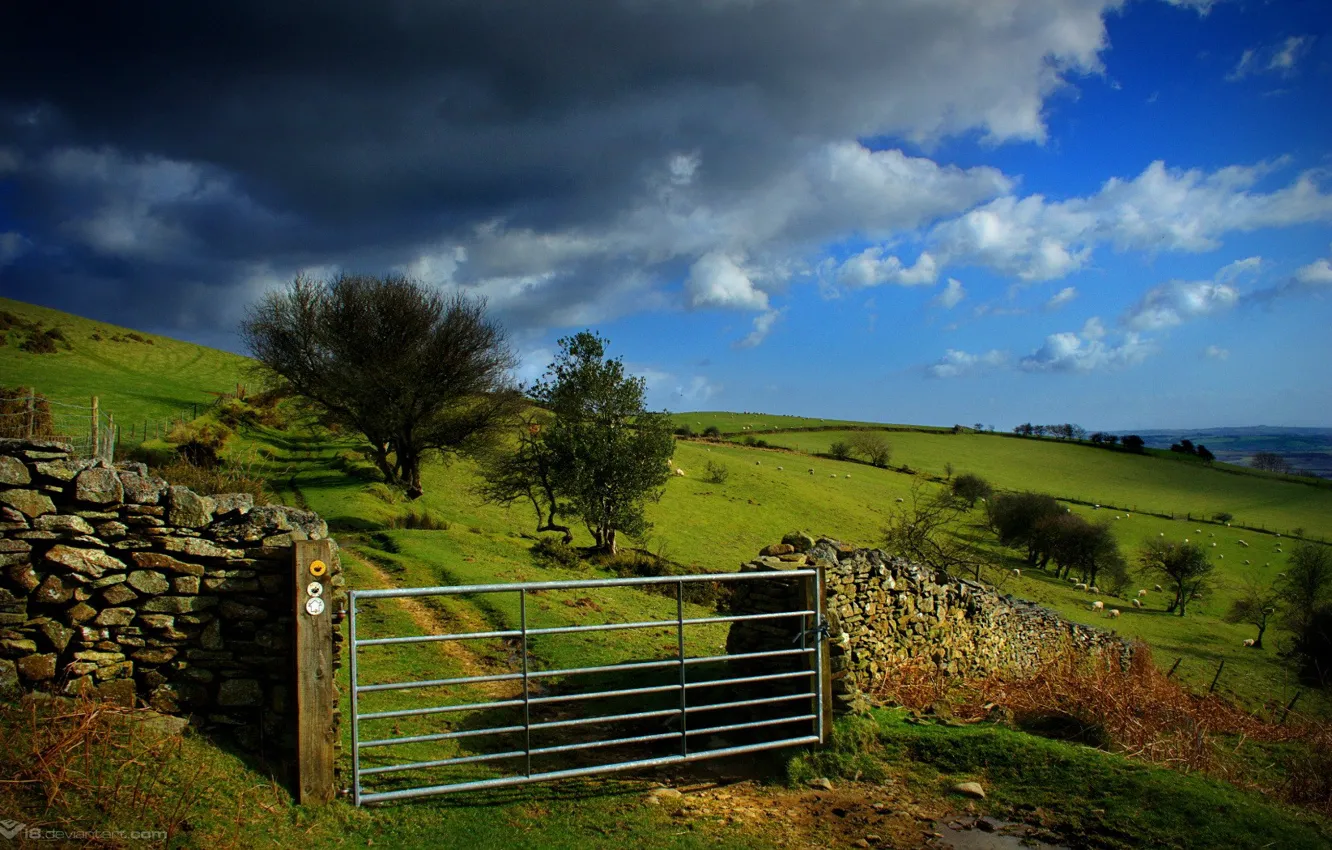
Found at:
[758, 700]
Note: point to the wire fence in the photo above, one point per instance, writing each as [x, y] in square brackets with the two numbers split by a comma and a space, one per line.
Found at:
[89, 430]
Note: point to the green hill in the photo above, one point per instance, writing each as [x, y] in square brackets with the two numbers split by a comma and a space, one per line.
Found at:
[137, 377]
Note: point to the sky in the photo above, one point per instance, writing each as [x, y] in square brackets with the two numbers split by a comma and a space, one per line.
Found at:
[1117, 214]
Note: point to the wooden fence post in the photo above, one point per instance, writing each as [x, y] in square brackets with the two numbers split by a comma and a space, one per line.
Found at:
[31, 405]
[1219, 668]
[1173, 666]
[315, 699]
[92, 442]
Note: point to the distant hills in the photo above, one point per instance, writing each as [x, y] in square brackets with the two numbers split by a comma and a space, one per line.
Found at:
[1303, 448]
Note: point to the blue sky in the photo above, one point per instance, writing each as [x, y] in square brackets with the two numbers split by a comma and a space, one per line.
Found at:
[1115, 214]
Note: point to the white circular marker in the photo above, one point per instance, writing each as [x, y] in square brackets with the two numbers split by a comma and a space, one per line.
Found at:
[314, 588]
[314, 606]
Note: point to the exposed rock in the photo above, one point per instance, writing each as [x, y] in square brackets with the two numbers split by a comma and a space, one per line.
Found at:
[178, 604]
[30, 503]
[61, 470]
[777, 549]
[657, 795]
[98, 487]
[57, 635]
[267, 520]
[13, 472]
[197, 547]
[187, 509]
[969, 789]
[822, 783]
[80, 613]
[155, 656]
[229, 503]
[53, 591]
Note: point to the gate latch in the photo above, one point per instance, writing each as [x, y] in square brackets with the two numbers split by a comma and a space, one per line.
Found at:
[819, 632]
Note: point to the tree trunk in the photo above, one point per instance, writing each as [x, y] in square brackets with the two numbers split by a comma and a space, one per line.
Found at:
[410, 465]
[550, 526]
[611, 547]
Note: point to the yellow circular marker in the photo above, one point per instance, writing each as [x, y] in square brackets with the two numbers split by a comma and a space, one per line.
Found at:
[318, 568]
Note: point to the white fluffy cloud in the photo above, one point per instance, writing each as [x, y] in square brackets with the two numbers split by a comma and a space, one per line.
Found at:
[958, 364]
[762, 327]
[1178, 301]
[1161, 209]
[871, 268]
[1216, 352]
[1279, 58]
[1317, 273]
[717, 280]
[952, 295]
[1062, 297]
[1069, 352]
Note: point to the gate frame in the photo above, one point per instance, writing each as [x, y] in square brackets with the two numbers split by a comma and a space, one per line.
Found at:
[812, 609]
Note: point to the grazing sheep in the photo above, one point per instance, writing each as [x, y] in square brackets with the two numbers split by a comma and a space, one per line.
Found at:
[779, 469]
[758, 463]
[848, 475]
[1246, 562]
[1186, 540]
[680, 472]
[1093, 590]
[1116, 517]
[1081, 586]
[1017, 573]
[1222, 557]
[1114, 613]
[1227, 525]
[811, 472]
[834, 475]
[1245, 545]
[1248, 641]
[1213, 545]
[1136, 603]
[899, 499]
[1161, 534]
[1127, 516]
[1267, 564]
[1142, 593]
[1098, 605]
[1158, 587]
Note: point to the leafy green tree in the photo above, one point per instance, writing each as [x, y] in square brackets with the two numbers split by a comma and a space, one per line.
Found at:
[1023, 520]
[874, 446]
[527, 473]
[840, 450]
[1256, 606]
[415, 373]
[1305, 591]
[1205, 454]
[969, 487]
[1184, 566]
[1133, 443]
[609, 454]
[1089, 549]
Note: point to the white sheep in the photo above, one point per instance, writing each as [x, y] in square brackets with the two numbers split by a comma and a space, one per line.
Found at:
[1246, 562]
[1222, 557]
[848, 475]
[779, 469]
[1268, 564]
[811, 472]
[1245, 545]
[1213, 545]
[1114, 613]
[1017, 573]
[1093, 590]
[1161, 534]
[758, 463]
[899, 499]
[1158, 587]
[1136, 603]
[680, 472]
[1186, 540]
[834, 475]
[1248, 641]
[1098, 605]
[1142, 593]
[1197, 531]
[1082, 586]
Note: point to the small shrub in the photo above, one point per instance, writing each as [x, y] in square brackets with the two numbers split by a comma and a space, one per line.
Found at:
[716, 473]
[223, 478]
[9, 320]
[748, 440]
[712, 431]
[684, 431]
[840, 450]
[419, 519]
[557, 552]
[1223, 516]
[39, 342]
[761, 444]
[95, 337]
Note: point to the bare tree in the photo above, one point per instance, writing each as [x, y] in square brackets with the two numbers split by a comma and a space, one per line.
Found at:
[1256, 606]
[413, 372]
[1183, 565]
[923, 531]
[1269, 462]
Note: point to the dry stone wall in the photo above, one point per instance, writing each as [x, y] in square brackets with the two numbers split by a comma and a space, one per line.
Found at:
[884, 611]
[116, 583]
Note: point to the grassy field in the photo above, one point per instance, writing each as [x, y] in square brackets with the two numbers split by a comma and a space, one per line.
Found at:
[153, 380]
[735, 423]
[1100, 476]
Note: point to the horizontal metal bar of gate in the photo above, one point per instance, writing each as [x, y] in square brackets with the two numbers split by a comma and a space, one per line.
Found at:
[527, 701]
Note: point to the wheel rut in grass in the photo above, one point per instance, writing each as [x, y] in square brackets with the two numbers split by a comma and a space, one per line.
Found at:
[432, 622]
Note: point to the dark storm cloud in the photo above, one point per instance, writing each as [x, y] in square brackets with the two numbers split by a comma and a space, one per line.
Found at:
[212, 145]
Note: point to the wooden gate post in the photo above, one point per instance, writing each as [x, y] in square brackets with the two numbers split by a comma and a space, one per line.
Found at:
[315, 699]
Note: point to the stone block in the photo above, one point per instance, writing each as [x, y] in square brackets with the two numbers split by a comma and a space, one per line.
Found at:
[53, 591]
[158, 561]
[185, 585]
[30, 503]
[197, 547]
[115, 617]
[239, 692]
[178, 604]
[149, 582]
[62, 523]
[89, 562]
[80, 614]
[13, 472]
[187, 509]
[98, 487]
[118, 594]
[139, 489]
